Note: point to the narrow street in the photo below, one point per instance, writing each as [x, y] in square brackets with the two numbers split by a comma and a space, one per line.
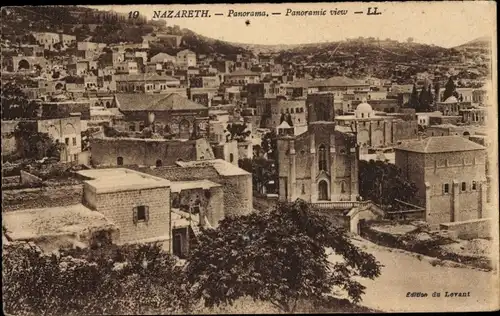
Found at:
[403, 273]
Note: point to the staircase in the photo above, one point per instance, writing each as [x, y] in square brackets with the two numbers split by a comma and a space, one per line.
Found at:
[196, 229]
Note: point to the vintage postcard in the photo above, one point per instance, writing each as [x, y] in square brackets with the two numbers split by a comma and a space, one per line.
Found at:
[250, 158]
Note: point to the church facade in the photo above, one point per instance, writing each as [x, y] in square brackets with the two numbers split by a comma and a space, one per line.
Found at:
[320, 164]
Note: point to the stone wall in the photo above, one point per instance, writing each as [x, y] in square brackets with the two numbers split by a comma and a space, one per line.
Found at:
[215, 207]
[237, 194]
[479, 228]
[147, 152]
[29, 179]
[118, 208]
[63, 109]
[9, 142]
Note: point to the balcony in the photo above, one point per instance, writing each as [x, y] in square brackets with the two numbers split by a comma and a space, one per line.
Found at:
[339, 205]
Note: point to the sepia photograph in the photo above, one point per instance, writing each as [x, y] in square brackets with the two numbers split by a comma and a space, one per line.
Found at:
[289, 158]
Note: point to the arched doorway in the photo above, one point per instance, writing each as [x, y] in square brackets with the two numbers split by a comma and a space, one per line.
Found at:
[23, 65]
[119, 161]
[466, 133]
[158, 163]
[59, 86]
[323, 191]
[184, 129]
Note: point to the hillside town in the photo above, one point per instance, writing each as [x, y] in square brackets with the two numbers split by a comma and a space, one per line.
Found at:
[154, 142]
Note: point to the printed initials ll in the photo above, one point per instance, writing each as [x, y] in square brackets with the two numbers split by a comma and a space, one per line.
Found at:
[374, 12]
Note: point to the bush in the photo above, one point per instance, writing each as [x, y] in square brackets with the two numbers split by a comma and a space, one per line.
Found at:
[133, 280]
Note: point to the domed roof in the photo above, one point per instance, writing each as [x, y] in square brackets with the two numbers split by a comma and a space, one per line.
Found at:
[284, 125]
[364, 107]
[451, 99]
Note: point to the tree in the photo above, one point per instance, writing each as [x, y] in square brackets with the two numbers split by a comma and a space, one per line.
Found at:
[58, 46]
[33, 144]
[424, 100]
[147, 132]
[270, 145]
[238, 132]
[15, 104]
[278, 256]
[450, 89]
[414, 100]
[382, 183]
[134, 279]
[431, 97]
[289, 119]
[263, 171]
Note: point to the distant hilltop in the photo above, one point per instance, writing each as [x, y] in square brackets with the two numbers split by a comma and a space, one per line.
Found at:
[480, 42]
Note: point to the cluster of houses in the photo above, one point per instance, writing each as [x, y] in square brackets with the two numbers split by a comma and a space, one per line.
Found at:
[170, 164]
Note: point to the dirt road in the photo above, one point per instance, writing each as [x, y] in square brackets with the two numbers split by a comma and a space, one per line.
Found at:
[404, 273]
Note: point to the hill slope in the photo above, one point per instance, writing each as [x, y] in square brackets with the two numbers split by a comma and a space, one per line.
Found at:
[101, 26]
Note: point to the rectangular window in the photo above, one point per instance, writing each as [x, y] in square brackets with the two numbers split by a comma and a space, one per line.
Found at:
[141, 214]
[446, 188]
[66, 140]
[131, 128]
[464, 186]
[474, 185]
[195, 210]
[74, 141]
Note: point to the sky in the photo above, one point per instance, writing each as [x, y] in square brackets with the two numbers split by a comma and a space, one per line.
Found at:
[445, 24]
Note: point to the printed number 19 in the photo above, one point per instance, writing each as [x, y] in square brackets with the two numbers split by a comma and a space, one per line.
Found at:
[133, 14]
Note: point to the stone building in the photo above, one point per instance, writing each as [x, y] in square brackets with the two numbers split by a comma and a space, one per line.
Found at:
[474, 116]
[320, 106]
[170, 113]
[26, 63]
[236, 182]
[449, 172]
[241, 77]
[53, 228]
[66, 131]
[50, 41]
[275, 110]
[320, 164]
[377, 130]
[9, 142]
[186, 58]
[452, 106]
[137, 203]
[63, 130]
[147, 152]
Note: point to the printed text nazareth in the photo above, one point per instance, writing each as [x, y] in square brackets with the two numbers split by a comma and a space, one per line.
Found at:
[171, 14]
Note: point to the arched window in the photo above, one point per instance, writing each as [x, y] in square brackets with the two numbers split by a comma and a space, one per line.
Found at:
[158, 163]
[322, 162]
[322, 191]
[119, 161]
[231, 157]
[342, 187]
